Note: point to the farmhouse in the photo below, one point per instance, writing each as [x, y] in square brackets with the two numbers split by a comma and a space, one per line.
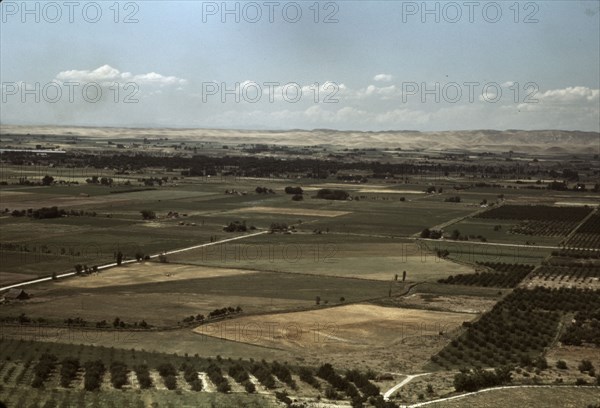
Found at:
[16, 294]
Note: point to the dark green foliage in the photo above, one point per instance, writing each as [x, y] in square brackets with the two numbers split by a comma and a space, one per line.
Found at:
[118, 374]
[166, 369]
[306, 375]
[361, 380]
[329, 194]
[504, 276]
[216, 376]
[94, 371]
[283, 373]
[477, 379]
[283, 397]
[536, 212]
[293, 190]
[148, 214]
[263, 375]
[42, 369]
[68, 371]
[338, 382]
[170, 382]
[238, 373]
[249, 387]
[517, 329]
[236, 226]
[585, 365]
[190, 374]
[143, 376]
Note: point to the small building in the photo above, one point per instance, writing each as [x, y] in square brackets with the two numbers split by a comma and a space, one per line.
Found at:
[16, 294]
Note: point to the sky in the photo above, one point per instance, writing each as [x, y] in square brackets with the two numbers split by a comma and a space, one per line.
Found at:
[347, 65]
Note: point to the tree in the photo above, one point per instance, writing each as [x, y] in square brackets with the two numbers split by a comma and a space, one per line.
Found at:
[47, 180]
[318, 300]
[249, 387]
[329, 194]
[585, 365]
[403, 276]
[148, 214]
[426, 233]
[293, 190]
[119, 258]
[170, 382]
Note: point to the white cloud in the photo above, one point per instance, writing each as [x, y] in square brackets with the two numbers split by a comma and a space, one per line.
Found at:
[383, 77]
[569, 94]
[106, 75]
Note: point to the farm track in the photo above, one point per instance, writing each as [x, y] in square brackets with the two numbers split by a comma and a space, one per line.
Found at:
[409, 378]
[113, 264]
[574, 230]
[454, 221]
[488, 243]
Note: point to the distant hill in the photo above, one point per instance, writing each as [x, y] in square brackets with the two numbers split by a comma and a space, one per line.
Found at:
[529, 141]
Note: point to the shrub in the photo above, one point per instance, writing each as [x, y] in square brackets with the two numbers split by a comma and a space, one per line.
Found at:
[143, 376]
[294, 190]
[585, 365]
[329, 194]
[307, 376]
[94, 371]
[283, 397]
[68, 371]
[170, 382]
[249, 387]
[118, 374]
[42, 369]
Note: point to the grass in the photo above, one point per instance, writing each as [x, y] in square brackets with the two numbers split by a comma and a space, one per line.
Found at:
[328, 254]
[485, 228]
[565, 397]
[168, 301]
[22, 395]
[464, 251]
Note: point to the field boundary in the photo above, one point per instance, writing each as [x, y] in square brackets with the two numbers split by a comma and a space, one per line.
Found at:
[422, 404]
[129, 261]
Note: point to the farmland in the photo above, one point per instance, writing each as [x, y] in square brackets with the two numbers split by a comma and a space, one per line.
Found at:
[237, 279]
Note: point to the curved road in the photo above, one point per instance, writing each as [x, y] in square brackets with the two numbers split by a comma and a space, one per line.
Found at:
[408, 379]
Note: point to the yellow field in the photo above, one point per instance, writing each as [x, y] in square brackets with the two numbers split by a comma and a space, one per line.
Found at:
[148, 272]
[383, 190]
[352, 327]
[292, 211]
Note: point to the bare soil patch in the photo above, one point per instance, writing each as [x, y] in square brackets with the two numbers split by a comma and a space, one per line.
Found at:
[292, 211]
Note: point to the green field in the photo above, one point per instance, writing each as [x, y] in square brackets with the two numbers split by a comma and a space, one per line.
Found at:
[546, 397]
[359, 263]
